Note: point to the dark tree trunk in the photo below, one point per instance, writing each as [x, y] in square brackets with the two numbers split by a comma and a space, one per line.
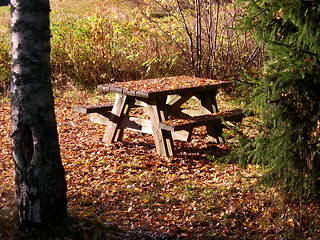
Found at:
[40, 182]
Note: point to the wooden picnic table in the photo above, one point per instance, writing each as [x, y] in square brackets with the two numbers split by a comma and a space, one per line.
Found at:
[162, 100]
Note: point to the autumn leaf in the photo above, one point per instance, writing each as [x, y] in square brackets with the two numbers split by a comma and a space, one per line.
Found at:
[126, 184]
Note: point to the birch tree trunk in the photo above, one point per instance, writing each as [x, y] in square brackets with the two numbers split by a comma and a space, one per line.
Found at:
[39, 174]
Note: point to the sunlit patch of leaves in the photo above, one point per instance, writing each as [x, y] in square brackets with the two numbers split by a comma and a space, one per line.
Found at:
[127, 190]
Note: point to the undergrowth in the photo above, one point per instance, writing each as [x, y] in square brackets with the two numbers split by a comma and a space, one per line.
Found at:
[96, 43]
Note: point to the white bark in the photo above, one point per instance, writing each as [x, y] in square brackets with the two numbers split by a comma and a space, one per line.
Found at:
[40, 183]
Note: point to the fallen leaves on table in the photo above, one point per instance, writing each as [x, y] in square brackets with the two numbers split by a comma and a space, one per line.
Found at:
[166, 84]
[129, 186]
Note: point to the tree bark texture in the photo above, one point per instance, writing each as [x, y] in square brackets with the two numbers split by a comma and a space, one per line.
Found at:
[40, 181]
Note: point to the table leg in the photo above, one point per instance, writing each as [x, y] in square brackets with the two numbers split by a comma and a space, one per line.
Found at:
[209, 103]
[214, 133]
[121, 107]
[163, 139]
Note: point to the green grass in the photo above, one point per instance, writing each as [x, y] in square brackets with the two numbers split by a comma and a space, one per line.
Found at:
[4, 22]
[4, 14]
[4, 49]
[64, 10]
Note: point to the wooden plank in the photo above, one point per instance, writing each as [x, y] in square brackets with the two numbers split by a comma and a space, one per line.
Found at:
[208, 101]
[209, 105]
[171, 99]
[213, 125]
[113, 132]
[176, 103]
[179, 124]
[191, 112]
[101, 108]
[235, 115]
[140, 125]
[214, 133]
[162, 138]
[188, 90]
[133, 93]
[185, 113]
[140, 103]
[131, 123]
[182, 135]
[103, 88]
[98, 118]
[161, 87]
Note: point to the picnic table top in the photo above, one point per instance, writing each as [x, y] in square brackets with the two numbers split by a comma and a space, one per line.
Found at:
[156, 87]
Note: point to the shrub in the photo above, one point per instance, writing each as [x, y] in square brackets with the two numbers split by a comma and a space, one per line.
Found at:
[205, 33]
[107, 45]
[5, 59]
[104, 48]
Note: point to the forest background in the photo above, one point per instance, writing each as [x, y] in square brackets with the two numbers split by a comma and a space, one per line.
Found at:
[124, 40]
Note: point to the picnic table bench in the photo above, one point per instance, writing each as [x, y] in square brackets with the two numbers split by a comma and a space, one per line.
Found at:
[100, 108]
[163, 115]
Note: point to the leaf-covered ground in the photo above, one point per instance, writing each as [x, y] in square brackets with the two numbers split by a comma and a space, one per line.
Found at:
[126, 191]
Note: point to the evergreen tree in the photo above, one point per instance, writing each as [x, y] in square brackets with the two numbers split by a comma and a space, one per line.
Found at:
[288, 98]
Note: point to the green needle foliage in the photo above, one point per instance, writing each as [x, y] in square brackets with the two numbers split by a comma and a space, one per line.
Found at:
[287, 95]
